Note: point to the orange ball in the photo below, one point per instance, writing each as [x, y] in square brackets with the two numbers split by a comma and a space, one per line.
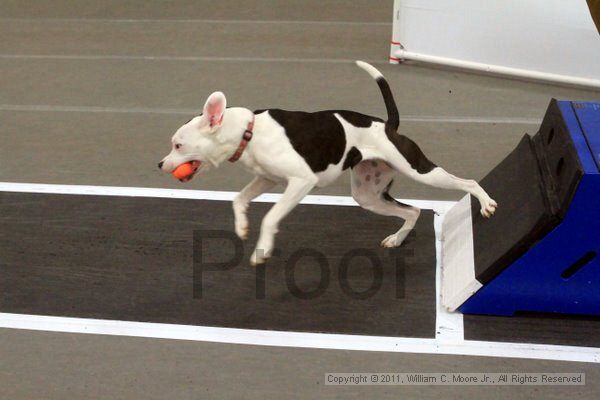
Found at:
[184, 170]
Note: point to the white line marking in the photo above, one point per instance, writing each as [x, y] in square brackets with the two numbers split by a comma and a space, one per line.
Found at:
[458, 256]
[195, 21]
[191, 111]
[472, 120]
[193, 194]
[97, 109]
[449, 326]
[297, 339]
[183, 58]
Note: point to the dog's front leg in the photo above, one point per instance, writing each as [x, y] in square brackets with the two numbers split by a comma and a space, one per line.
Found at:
[255, 188]
[296, 189]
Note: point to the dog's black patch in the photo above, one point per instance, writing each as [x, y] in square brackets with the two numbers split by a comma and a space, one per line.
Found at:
[353, 157]
[386, 195]
[410, 151]
[318, 137]
[390, 104]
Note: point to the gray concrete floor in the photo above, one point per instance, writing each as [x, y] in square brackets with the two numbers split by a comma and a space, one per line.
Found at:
[91, 93]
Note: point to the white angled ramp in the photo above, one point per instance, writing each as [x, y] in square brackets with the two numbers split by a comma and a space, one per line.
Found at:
[458, 262]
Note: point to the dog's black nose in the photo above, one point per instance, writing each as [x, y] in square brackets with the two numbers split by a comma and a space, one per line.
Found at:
[160, 164]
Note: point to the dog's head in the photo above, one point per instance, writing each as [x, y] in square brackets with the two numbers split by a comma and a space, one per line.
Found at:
[198, 141]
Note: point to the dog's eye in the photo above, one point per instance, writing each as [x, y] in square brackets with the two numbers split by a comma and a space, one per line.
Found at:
[177, 146]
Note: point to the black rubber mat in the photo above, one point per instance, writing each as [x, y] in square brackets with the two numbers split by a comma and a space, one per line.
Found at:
[534, 185]
[535, 328]
[524, 217]
[136, 259]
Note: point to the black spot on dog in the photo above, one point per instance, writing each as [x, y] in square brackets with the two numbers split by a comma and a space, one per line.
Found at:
[318, 137]
[377, 174]
[374, 163]
[353, 157]
[368, 178]
[410, 151]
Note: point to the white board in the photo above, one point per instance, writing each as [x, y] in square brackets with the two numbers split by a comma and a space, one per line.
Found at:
[555, 37]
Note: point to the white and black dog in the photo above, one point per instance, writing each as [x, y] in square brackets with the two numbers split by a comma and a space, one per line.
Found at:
[307, 149]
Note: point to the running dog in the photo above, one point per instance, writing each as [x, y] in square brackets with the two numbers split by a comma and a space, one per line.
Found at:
[304, 150]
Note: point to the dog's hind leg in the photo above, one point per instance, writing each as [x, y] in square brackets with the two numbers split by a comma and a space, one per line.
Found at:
[255, 188]
[438, 177]
[405, 156]
[371, 180]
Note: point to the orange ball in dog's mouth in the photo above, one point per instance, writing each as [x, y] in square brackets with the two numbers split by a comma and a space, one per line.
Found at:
[186, 171]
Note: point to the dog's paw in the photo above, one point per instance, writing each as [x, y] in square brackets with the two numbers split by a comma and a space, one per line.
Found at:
[242, 227]
[395, 240]
[488, 207]
[258, 257]
[390, 241]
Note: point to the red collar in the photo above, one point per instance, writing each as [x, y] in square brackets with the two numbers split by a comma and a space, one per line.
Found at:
[245, 139]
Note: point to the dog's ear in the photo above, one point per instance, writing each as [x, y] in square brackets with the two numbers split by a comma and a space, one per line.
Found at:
[214, 108]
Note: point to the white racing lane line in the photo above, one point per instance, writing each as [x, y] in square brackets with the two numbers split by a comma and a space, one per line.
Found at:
[191, 111]
[96, 109]
[192, 194]
[183, 58]
[298, 339]
[194, 21]
[449, 337]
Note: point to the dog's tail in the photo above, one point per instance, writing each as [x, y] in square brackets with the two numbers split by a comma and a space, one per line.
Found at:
[388, 98]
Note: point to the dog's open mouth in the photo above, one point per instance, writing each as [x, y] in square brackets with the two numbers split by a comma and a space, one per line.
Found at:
[186, 171]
